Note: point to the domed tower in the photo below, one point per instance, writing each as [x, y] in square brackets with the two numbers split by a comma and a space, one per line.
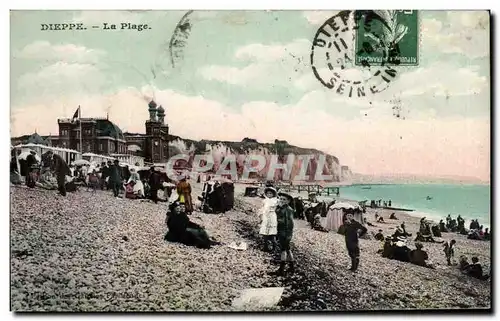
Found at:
[156, 144]
[152, 110]
[161, 115]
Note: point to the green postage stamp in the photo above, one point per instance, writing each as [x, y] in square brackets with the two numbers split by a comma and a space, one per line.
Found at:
[388, 36]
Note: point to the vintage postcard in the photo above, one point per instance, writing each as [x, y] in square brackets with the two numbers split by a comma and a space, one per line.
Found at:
[250, 160]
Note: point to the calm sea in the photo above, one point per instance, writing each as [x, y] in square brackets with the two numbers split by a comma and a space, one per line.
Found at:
[470, 201]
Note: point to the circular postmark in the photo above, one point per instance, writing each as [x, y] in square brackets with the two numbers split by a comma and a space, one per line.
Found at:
[338, 66]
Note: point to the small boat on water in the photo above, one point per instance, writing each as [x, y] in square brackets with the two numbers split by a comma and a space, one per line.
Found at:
[428, 198]
[368, 187]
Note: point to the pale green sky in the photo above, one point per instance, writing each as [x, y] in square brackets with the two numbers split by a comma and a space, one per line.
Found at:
[252, 68]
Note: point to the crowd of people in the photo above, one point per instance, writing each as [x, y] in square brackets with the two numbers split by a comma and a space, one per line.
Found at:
[396, 247]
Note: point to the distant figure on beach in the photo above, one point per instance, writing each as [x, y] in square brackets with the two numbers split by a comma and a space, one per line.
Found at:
[403, 227]
[463, 263]
[461, 224]
[487, 235]
[393, 216]
[419, 257]
[284, 214]
[317, 224]
[115, 178]
[449, 251]
[61, 169]
[269, 222]
[400, 232]
[184, 192]
[476, 270]
[442, 227]
[154, 186]
[380, 220]
[426, 238]
[352, 228]
[390, 203]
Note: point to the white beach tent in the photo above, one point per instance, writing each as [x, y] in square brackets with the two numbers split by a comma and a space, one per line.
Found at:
[335, 215]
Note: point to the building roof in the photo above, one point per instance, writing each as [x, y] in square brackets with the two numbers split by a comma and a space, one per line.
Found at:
[107, 128]
[37, 139]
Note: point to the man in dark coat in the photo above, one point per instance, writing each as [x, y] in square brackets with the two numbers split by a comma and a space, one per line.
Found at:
[61, 169]
[115, 178]
[284, 215]
[352, 229]
[154, 184]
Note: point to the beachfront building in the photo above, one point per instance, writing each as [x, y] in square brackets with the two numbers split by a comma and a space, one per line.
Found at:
[100, 136]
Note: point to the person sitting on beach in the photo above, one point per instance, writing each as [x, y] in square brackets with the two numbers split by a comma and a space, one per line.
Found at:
[474, 235]
[380, 220]
[426, 238]
[463, 263]
[419, 256]
[487, 235]
[182, 230]
[436, 231]
[448, 250]
[367, 223]
[453, 225]
[317, 224]
[379, 236]
[476, 270]
[388, 248]
[403, 227]
[376, 216]
[393, 216]
[401, 250]
[398, 233]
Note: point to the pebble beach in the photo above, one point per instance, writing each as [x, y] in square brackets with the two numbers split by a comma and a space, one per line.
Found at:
[93, 252]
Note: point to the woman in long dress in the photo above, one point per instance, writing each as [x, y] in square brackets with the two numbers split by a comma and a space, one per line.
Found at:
[269, 221]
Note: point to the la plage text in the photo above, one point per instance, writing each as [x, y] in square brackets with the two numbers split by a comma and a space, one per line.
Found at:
[103, 26]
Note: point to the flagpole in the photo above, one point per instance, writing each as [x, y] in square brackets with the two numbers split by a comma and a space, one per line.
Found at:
[81, 134]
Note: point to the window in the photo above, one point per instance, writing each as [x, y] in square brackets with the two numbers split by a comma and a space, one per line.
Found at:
[101, 147]
[64, 132]
[88, 132]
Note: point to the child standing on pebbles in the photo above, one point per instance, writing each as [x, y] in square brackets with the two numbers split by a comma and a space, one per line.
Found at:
[269, 222]
[449, 251]
[285, 216]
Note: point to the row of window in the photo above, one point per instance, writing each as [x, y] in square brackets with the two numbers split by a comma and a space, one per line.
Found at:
[86, 132]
